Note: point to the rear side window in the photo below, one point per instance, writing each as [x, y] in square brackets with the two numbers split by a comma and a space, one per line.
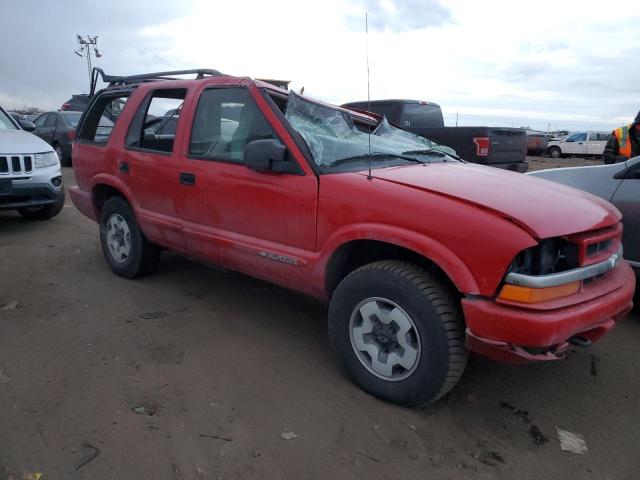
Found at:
[156, 121]
[101, 119]
[226, 120]
[421, 115]
[51, 121]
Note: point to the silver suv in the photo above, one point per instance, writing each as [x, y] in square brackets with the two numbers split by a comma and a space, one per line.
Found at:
[30, 175]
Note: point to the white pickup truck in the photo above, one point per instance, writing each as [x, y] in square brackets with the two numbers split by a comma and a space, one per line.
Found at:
[579, 144]
[30, 175]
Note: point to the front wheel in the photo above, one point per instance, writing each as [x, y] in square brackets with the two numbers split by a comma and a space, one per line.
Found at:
[399, 332]
[126, 249]
[554, 152]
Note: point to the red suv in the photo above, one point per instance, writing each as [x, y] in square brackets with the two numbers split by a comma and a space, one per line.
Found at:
[422, 257]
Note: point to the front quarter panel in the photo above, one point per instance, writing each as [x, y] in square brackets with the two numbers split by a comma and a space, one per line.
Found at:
[472, 245]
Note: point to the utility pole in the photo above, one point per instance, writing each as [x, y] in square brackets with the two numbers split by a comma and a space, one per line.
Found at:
[85, 47]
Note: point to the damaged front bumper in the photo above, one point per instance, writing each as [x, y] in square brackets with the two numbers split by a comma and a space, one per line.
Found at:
[518, 334]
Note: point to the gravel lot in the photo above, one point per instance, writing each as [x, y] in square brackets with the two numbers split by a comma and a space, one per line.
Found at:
[199, 373]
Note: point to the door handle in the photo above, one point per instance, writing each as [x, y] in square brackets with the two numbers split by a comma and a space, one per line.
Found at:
[187, 179]
[123, 167]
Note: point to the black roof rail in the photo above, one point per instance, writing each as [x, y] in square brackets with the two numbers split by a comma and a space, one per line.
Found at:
[146, 77]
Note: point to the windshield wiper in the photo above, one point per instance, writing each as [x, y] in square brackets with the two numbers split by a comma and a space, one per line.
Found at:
[433, 152]
[375, 155]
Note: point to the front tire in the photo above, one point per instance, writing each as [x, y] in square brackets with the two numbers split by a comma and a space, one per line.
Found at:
[399, 332]
[554, 152]
[125, 248]
[44, 212]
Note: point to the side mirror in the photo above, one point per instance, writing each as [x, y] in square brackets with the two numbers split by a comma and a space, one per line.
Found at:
[26, 125]
[268, 156]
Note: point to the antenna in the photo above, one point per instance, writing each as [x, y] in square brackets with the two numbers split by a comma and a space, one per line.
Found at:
[366, 30]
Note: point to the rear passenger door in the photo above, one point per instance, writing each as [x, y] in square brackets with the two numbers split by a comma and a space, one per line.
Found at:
[237, 214]
[597, 142]
[150, 163]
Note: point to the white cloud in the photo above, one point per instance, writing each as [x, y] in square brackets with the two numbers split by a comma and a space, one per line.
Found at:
[571, 64]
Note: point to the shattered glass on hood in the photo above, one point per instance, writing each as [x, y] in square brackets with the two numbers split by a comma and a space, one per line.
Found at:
[386, 130]
[332, 136]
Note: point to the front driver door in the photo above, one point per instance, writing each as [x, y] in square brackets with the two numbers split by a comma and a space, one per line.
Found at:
[627, 200]
[575, 144]
[263, 224]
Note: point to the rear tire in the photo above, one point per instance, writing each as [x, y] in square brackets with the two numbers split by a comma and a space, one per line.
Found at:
[44, 212]
[125, 248]
[555, 152]
[409, 322]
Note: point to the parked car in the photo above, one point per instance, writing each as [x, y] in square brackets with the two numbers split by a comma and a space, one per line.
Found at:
[23, 121]
[30, 177]
[618, 183]
[421, 257]
[77, 103]
[537, 143]
[58, 129]
[579, 144]
[495, 146]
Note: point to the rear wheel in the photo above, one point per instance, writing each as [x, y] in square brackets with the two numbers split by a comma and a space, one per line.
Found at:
[44, 212]
[555, 152]
[126, 249]
[399, 332]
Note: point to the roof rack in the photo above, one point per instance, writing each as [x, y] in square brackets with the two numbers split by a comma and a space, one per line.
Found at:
[146, 77]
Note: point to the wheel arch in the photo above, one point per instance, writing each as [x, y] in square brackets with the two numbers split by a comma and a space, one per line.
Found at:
[352, 253]
[106, 187]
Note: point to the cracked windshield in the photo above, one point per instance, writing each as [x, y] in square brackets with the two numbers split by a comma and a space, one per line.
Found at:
[334, 138]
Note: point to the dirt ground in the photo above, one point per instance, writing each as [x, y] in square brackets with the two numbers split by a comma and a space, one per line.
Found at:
[199, 373]
[543, 162]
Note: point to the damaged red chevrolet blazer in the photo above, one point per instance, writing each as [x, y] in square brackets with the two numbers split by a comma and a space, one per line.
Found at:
[421, 256]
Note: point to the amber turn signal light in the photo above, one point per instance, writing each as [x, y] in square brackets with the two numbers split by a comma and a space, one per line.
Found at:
[515, 293]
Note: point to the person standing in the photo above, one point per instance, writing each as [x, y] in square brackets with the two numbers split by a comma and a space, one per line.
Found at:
[623, 143]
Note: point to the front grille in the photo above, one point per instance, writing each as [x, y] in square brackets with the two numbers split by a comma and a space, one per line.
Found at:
[16, 164]
[595, 248]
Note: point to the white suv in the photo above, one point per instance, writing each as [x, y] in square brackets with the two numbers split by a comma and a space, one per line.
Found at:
[30, 175]
[579, 144]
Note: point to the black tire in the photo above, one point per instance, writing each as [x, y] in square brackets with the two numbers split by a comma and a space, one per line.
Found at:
[44, 212]
[64, 161]
[555, 152]
[436, 314]
[143, 257]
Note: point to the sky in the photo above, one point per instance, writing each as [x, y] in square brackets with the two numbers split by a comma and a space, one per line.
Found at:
[543, 64]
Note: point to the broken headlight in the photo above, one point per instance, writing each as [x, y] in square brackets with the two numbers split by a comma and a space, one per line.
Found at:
[549, 256]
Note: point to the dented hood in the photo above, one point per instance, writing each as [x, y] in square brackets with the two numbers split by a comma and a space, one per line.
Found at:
[544, 208]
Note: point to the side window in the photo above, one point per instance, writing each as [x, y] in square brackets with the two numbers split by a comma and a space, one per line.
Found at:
[52, 120]
[595, 137]
[101, 119]
[225, 121]
[577, 137]
[155, 123]
[39, 122]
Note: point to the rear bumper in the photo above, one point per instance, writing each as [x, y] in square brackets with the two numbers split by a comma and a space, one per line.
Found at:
[83, 201]
[518, 334]
[27, 194]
